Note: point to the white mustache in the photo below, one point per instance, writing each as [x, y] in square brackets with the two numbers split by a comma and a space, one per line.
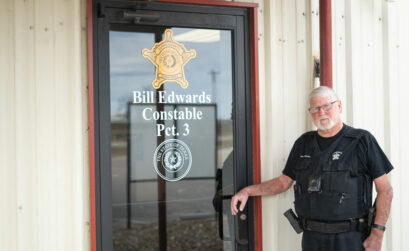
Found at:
[319, 126]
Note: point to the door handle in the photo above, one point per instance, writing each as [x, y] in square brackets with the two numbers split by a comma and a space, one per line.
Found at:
[237, 218]
[240, 217]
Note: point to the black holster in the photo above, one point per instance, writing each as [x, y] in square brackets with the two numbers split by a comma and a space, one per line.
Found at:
[294, 220]
[371, 219]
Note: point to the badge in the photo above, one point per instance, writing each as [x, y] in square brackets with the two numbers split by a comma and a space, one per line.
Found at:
[169, 58]
[336, 155]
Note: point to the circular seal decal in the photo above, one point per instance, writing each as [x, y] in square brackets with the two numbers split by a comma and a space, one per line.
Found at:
[172, 160]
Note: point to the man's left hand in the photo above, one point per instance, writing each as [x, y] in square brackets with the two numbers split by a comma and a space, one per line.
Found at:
[374, 240]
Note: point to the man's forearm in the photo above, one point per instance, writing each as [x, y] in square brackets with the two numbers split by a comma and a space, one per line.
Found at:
[270, 187]
[383, 206]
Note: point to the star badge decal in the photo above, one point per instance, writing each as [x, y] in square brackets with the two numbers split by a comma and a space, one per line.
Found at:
[169, 58]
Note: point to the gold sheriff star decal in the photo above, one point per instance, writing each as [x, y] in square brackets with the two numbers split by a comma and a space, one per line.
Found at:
[169, 57]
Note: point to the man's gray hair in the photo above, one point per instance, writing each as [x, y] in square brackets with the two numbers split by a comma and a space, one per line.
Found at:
[323, 91]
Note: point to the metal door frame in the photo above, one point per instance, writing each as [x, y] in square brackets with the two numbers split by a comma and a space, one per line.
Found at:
[102, 18]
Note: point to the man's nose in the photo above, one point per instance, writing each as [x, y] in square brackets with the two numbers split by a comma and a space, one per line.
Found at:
[321, 111]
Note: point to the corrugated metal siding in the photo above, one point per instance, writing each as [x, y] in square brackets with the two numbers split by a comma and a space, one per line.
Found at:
[370, 46]
[287, 50]
[396, 83]
[8, 174]
[44, 168]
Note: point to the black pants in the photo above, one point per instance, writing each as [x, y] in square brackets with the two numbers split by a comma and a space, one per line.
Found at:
[349, 241]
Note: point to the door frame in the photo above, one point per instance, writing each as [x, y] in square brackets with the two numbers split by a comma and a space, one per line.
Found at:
[93, 145]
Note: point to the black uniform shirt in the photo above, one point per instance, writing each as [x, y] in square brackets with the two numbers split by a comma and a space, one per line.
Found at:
[325, 142]
[373, 160]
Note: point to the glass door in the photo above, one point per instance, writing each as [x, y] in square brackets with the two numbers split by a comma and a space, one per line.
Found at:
[174, 133]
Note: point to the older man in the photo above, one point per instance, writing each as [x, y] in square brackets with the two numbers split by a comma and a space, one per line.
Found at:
[334, 169]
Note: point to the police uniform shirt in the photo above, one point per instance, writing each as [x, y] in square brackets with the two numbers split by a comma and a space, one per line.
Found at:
[372, 159]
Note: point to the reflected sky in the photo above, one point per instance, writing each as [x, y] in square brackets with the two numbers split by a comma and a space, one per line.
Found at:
[210, 71]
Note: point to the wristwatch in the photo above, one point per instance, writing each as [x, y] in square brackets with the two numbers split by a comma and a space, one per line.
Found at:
[383, 228]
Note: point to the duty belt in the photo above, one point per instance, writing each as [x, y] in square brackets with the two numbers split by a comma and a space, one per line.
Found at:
[359, 224]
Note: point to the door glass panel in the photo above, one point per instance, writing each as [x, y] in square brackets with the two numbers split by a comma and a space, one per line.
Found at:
[172, 147]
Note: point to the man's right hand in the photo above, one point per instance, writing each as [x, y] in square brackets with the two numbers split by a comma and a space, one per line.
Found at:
[241, 196]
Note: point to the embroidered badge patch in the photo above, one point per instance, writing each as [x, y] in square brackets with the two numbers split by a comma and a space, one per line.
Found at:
[336, 155]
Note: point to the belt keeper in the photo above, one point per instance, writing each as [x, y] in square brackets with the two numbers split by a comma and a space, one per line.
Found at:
[361, 224]
[304, 223]
[350, 224]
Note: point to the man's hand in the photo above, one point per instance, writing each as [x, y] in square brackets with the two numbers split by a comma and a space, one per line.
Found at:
[241, 196]
[374, 240]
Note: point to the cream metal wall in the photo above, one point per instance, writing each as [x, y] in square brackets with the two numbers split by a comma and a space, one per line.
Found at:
[397, 94]
[371, 51]
[44, 188]
[288, 41]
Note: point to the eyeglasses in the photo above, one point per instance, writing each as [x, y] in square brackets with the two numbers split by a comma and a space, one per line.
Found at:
[324, 107]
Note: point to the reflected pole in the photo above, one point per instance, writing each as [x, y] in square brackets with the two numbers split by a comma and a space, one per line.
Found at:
[162, 221]
[128, 170]
[161, 187]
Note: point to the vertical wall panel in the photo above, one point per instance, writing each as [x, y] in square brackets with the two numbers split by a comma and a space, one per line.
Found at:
[376, 58]
[364, 81]
[338, 49]
[304, 62]
[353, 62]
[273, 75]
[68, 80]
[26, 124]
[403, 61]
[288, 107]
[395, 131]
[288, 79]
[46, 130]
[8, 186]
[389, 71]
[397, 83]
[82, 186]
[379, 101]
[64, 93]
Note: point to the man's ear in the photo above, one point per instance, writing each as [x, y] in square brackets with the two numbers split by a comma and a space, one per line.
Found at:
[340, 106]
